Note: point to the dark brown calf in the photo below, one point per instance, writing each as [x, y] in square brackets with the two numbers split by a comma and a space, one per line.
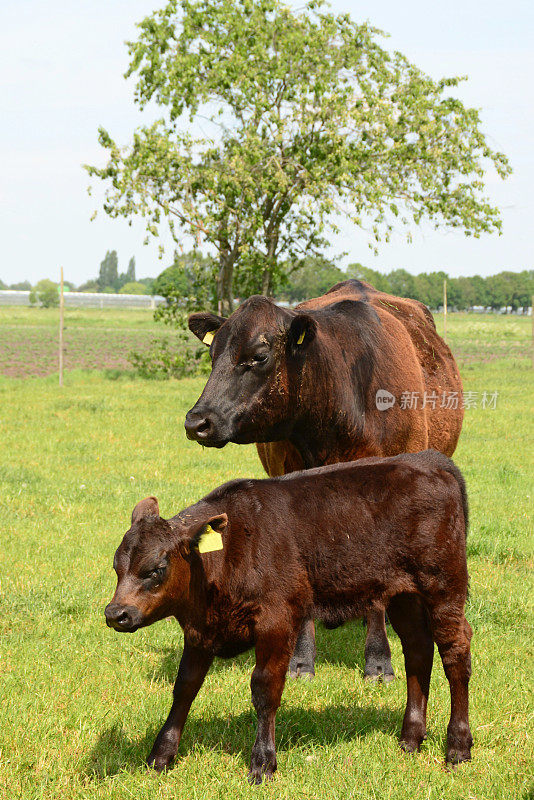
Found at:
[330, 543]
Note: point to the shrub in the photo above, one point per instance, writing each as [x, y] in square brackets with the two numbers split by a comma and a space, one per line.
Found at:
[166, 359]
[133, 287]
[45, 293]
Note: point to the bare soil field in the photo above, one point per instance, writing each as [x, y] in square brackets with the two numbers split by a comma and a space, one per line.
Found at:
[99, 340]
[93, 339]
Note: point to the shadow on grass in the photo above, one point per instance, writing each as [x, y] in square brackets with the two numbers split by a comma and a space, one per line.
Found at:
[342, 646]
[115, 752]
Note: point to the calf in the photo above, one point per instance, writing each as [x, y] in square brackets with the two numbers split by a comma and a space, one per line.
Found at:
[330, 543]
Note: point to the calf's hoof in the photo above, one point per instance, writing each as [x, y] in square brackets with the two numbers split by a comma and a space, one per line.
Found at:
[261, 768]
[459, 742]
[456, 757]
[412, 739]
[161, 759]
[158, 764]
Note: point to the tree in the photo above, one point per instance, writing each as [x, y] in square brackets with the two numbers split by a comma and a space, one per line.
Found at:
[148, 282]
[108, 276]
[45, 292]
[186, 276]
[23, 286]
[310, 117]
[89, 286]
[314, 278]
[130, 272]
[372, 276]
[133, 287]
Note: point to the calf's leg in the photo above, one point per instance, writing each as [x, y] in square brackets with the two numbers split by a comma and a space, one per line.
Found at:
[377, 653]
[302, 663]
[194, 666]
[273, 650]
[452, 634]
[410, 621]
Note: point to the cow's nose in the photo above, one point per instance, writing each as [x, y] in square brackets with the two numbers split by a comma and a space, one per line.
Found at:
[117, 617]
[198, 426]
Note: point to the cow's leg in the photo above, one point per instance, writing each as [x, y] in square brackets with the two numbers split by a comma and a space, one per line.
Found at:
[194, 665]
[410, 621]
[273, 650]
[302, 664]
[452, 634]
[377, 653]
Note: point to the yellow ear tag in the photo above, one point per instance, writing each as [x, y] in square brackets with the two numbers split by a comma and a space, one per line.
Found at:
[209, 541]
[301, 337]
[208, 338]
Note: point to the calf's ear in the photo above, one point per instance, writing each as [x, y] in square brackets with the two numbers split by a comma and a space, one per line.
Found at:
[204, 536]
[205, 325]
[301, 332]
[148, 507]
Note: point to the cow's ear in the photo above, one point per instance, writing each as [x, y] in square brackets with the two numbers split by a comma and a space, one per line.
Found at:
[148, 507]
[205, 325]
[205, 536]
[301, 332]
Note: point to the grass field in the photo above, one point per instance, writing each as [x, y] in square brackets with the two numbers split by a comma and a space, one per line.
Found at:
[82, 704]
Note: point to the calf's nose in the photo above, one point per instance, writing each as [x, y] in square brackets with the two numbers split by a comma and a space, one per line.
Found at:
[117, 616]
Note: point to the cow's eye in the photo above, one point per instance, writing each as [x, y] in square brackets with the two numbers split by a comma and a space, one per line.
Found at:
[156, 574]
[259, 358]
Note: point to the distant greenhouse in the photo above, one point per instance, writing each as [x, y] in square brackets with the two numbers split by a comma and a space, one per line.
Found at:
[11, 297]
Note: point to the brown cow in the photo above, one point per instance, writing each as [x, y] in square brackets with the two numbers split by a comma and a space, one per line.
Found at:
[303, 384]
[330, 543]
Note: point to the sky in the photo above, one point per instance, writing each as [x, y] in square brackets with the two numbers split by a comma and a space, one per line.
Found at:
[61, 76]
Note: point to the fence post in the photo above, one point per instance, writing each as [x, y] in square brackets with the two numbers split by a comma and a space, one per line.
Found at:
[61, 308]
[445, 310]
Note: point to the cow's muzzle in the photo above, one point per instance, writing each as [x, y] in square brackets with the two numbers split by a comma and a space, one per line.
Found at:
[203, 428]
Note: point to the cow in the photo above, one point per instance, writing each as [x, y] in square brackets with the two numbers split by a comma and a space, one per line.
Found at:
[354, 373]
[247, 564]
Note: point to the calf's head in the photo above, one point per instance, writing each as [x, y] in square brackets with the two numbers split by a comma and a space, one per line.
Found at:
[257, 359]
[153, 565]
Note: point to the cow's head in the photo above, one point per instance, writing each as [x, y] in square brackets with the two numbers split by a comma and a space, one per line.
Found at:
[153, 565]
[257, 356]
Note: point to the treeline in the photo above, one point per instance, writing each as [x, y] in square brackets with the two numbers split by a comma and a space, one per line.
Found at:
[190, 281]
[193, 276]
[505, 289]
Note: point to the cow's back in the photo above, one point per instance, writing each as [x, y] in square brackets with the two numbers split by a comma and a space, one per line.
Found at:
[430, 355]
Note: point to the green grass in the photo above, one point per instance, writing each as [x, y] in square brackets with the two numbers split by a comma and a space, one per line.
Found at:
[83, 704]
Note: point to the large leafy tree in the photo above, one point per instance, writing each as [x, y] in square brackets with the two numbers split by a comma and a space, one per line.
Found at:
[276, 122]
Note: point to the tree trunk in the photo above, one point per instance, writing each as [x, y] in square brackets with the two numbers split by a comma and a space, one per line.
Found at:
[266, 282]
[225, 296]
[267, 275]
